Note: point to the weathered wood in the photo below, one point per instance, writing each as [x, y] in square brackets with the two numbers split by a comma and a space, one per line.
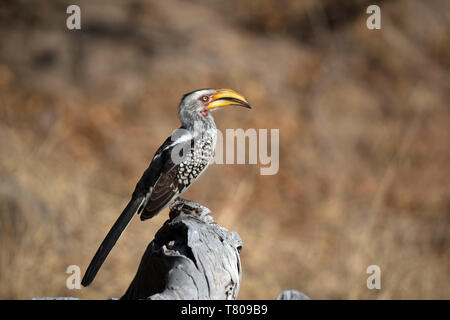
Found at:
[191, 257]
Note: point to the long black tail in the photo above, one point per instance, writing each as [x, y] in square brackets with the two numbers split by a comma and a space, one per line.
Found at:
[111, 239]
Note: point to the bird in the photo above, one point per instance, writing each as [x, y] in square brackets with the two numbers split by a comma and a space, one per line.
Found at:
[176, 165]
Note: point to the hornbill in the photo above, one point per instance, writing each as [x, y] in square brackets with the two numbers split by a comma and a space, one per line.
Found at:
[178, 162]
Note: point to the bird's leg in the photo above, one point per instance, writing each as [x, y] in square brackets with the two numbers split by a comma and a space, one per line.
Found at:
[179, 204]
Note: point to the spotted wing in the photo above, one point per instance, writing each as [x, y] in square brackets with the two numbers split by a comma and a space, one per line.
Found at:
[166, 186]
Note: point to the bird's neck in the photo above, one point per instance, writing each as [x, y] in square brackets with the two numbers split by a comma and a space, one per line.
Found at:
[200, 127]
[197, 122]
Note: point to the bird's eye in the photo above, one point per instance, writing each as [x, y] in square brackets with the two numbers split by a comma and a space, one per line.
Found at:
[205, 98]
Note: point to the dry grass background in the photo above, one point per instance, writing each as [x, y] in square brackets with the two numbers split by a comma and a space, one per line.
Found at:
[364, 139]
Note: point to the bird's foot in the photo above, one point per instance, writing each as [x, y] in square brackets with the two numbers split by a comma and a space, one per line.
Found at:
[180, 204]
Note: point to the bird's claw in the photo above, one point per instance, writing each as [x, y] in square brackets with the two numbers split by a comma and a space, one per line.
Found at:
[180, 204]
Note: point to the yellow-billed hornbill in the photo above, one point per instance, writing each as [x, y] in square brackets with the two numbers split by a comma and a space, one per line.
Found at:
[176, 165]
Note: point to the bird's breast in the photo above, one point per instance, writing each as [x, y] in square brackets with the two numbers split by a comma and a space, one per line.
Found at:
[197, 158]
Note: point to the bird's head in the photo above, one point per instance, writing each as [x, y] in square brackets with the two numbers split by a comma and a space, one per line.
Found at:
[198, 105]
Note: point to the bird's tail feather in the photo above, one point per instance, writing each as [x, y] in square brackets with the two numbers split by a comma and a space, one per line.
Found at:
[111, 239]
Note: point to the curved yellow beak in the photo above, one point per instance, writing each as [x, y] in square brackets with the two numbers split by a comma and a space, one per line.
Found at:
[227, 97]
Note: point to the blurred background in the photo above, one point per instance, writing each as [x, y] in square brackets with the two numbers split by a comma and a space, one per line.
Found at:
[364, 122]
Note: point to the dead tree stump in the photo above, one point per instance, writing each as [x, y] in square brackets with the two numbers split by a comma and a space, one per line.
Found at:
[191, 257]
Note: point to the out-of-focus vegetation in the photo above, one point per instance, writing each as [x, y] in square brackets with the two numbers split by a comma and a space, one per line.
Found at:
[364, 123]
